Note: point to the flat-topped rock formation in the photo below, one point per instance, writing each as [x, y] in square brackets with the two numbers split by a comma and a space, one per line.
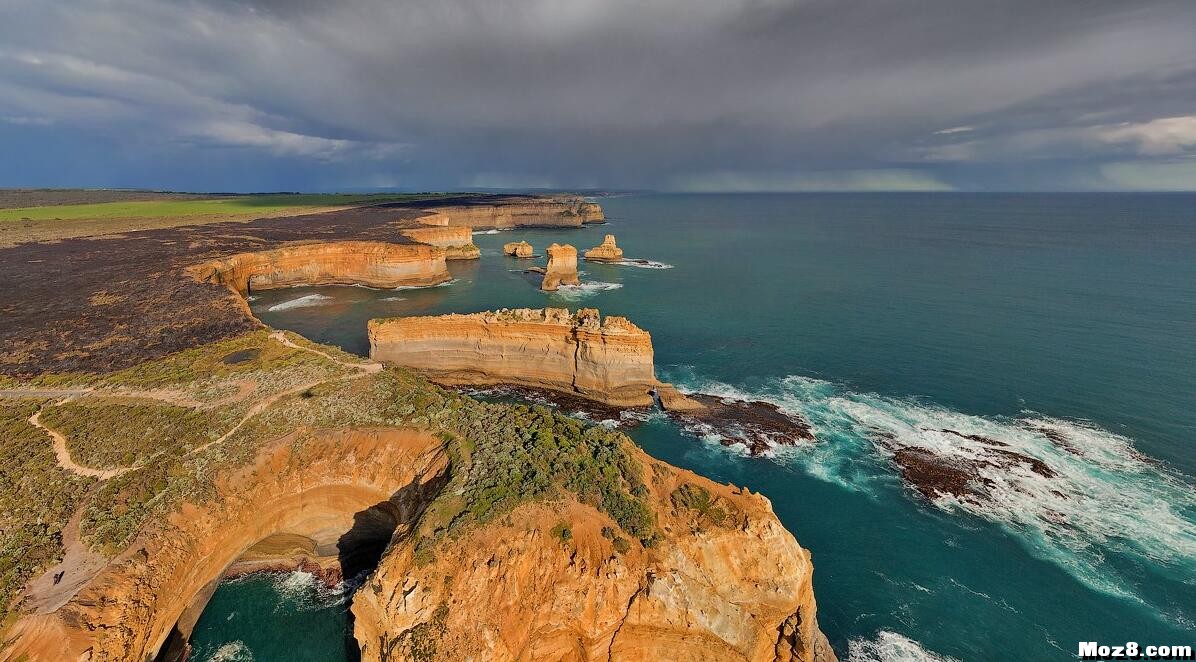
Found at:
[457, 241]
[369, 263]
[608, 360]
[561, 269]
[518, 249]
[607, 251]
[556, 211]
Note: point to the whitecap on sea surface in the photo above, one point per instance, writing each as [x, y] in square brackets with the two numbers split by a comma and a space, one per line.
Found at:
[305, 301]
[575, 292]
[891, 647]
[1099, 495]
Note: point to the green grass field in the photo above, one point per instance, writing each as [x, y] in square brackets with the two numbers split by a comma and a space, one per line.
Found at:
[247, 204]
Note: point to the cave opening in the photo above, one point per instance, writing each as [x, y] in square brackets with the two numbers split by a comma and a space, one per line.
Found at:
[289, 590]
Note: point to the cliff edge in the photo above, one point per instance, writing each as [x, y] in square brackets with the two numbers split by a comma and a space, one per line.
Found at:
[608, 360]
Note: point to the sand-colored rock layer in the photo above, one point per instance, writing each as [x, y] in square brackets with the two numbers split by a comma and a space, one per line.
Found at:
[607, 251]
[561, 269]
[326, 489]
[560, 211]
[369, 263]
[457, 241]
[607, 360]
[725, 582]
[520, 249]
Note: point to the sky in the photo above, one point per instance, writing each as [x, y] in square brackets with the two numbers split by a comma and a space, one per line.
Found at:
[676, 95]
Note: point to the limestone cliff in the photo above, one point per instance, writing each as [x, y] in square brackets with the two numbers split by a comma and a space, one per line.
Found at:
[558, 581]
[609, 360]
[559, 211]
[369, 263]
[607, 251]
[327, 489]
[457, 241]
[561, 269]
[518, 249]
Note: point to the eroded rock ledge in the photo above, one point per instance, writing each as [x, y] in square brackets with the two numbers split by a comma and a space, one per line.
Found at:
[369, 263]
[456, 241]
[608, 360]
[556, 211]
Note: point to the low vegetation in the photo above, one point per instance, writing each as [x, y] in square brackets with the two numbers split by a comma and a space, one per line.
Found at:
[503, 454]
[45, 218]
[37, 498]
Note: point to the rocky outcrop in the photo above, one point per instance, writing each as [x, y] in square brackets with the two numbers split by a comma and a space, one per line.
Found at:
[369, 263]
[457, 241]
[607, 251]
[609, 360]
[557, 211]
[558, 581]
[335, 491]
[561, 269]
[518, 249]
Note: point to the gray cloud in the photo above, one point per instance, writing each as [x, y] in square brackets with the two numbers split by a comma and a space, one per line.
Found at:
[671, 93]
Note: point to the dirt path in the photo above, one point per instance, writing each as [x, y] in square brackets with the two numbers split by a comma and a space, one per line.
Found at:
[64, 454]
[360, 368]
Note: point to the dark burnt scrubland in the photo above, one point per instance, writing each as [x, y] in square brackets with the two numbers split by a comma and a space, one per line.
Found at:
[101, 304]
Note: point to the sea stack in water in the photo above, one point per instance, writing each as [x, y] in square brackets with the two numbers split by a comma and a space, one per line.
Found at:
[606, 360]
[607, 251]
[561, 269]
[518, 249]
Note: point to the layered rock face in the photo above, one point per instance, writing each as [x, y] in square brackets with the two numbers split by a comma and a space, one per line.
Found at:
[318, 490]
[556, 581]
[605, 360]
[369, 263]
[457, 241]
[607, 251]
[561, 269]
[533, 212]
[518, 249]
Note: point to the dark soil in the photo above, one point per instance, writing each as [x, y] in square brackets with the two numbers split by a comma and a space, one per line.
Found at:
[104, 304]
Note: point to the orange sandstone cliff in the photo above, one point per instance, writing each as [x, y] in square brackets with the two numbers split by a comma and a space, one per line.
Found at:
[518, 249]
[369, 263]
[560, 211]
[557, 581]
[457, 241]
[561, 269]
[607, 251]
[609, 360]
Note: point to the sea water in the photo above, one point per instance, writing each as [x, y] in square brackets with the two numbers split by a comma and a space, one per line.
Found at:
[999, 315]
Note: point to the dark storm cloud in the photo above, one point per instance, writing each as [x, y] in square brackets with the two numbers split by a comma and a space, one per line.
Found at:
[733, 94]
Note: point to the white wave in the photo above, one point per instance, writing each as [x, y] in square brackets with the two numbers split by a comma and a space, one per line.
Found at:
[423, 287]
[305, 301]
[891, 647]
[643, 264]
[233, 651]
[1104, 496]
[394, 298]
[492, 231]
[575, 292]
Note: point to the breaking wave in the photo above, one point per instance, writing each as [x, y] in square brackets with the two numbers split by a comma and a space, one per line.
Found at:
[891, 647]
[575, 292]
[492, 231]
[643, 264]
[305, 301]
[1101, 496]
[233, 651]
[423, 287]
[394, 298]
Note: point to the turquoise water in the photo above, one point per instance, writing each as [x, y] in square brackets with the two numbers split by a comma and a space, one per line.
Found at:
[906, 314]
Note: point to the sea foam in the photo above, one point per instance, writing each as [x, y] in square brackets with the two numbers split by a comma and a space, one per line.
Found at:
[891, 647]
[1105, 496]
[305, 301]
[575, 292]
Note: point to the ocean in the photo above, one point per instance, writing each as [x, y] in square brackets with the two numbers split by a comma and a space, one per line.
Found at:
[1016, 317]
